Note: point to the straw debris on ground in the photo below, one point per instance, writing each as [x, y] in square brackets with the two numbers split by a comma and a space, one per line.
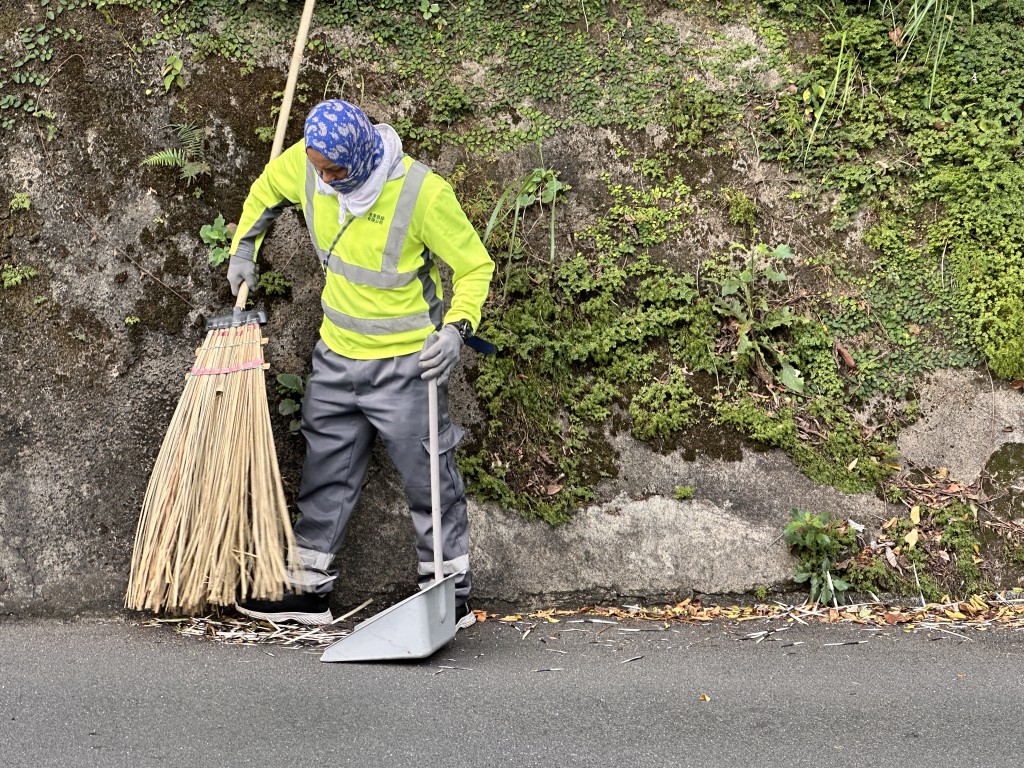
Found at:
[980, 613]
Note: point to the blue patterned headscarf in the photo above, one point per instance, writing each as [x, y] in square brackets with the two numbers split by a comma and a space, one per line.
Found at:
[344, 135]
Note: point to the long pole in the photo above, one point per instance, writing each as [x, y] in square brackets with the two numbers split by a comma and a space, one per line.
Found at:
[435, 479]
[293, 76]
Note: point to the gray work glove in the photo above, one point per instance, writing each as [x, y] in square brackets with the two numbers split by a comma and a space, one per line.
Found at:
[440, 354]
[239, 269]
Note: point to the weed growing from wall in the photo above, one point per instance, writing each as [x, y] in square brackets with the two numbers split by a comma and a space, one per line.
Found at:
[928, 135]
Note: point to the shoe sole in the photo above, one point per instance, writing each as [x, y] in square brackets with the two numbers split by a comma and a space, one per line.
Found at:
[308, 619]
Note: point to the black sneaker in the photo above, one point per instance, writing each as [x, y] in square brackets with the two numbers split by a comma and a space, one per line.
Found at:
[464, 616]
[302, 608]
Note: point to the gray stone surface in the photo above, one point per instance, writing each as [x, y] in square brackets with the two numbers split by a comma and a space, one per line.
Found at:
[965, 418]
[643, 548]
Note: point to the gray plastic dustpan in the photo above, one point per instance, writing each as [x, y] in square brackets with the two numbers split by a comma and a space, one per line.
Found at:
[411, 629]
[422, 623]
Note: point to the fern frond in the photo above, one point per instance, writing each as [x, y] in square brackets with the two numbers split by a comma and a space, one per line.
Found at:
[191, 137]
[168, 158]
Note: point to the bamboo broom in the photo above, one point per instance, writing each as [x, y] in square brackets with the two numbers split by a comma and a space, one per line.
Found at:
[214, 526]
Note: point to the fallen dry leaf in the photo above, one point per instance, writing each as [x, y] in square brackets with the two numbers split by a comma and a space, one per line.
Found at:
[890, 558]
[892, 617]
[704, 697]
[846, 357]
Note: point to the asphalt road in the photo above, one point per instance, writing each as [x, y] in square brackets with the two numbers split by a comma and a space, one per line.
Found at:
[116, 694]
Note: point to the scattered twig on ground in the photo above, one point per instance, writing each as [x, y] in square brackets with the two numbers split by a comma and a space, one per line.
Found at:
[997, 610]
[235, 631]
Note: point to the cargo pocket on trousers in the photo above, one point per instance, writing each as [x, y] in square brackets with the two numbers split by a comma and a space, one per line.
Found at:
[447, 439]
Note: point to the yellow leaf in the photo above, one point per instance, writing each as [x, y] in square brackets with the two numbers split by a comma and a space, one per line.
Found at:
[915, 514]
[942, 473]
[852, 465]
[513, 617]
[704, 697]
[911, 538]
[955, 615]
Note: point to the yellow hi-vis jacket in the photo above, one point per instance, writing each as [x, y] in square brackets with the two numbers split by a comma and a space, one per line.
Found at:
[383, 294]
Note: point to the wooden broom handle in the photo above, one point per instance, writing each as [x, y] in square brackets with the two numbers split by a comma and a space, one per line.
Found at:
[286, 108]
[293, 76]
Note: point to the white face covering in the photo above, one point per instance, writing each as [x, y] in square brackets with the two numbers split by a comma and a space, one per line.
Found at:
[358, 202]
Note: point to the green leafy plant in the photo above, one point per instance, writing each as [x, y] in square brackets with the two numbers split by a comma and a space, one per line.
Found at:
[817, 540]
[13, 275]
[190, 156]
[829, 100]
[683, 492]
[429, 10]
[931, 20]
[274, 283]
[132, 320]
[292, 387]
[171, 72]
[664, 406]
[742, 210]
[20, 202]
[218, 236]
[748, 301]
[539, 186]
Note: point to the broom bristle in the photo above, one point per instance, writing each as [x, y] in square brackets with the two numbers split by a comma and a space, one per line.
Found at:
[214, 526]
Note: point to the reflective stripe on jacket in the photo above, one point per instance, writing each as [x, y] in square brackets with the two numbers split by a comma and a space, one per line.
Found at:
[382, 293]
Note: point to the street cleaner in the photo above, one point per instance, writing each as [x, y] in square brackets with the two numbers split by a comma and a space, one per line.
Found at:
[378, 219]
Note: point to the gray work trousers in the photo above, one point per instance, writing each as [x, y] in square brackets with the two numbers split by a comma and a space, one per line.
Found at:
[347, 404]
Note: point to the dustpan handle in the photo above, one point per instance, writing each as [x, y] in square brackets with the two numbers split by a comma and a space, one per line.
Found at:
[435, 479]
